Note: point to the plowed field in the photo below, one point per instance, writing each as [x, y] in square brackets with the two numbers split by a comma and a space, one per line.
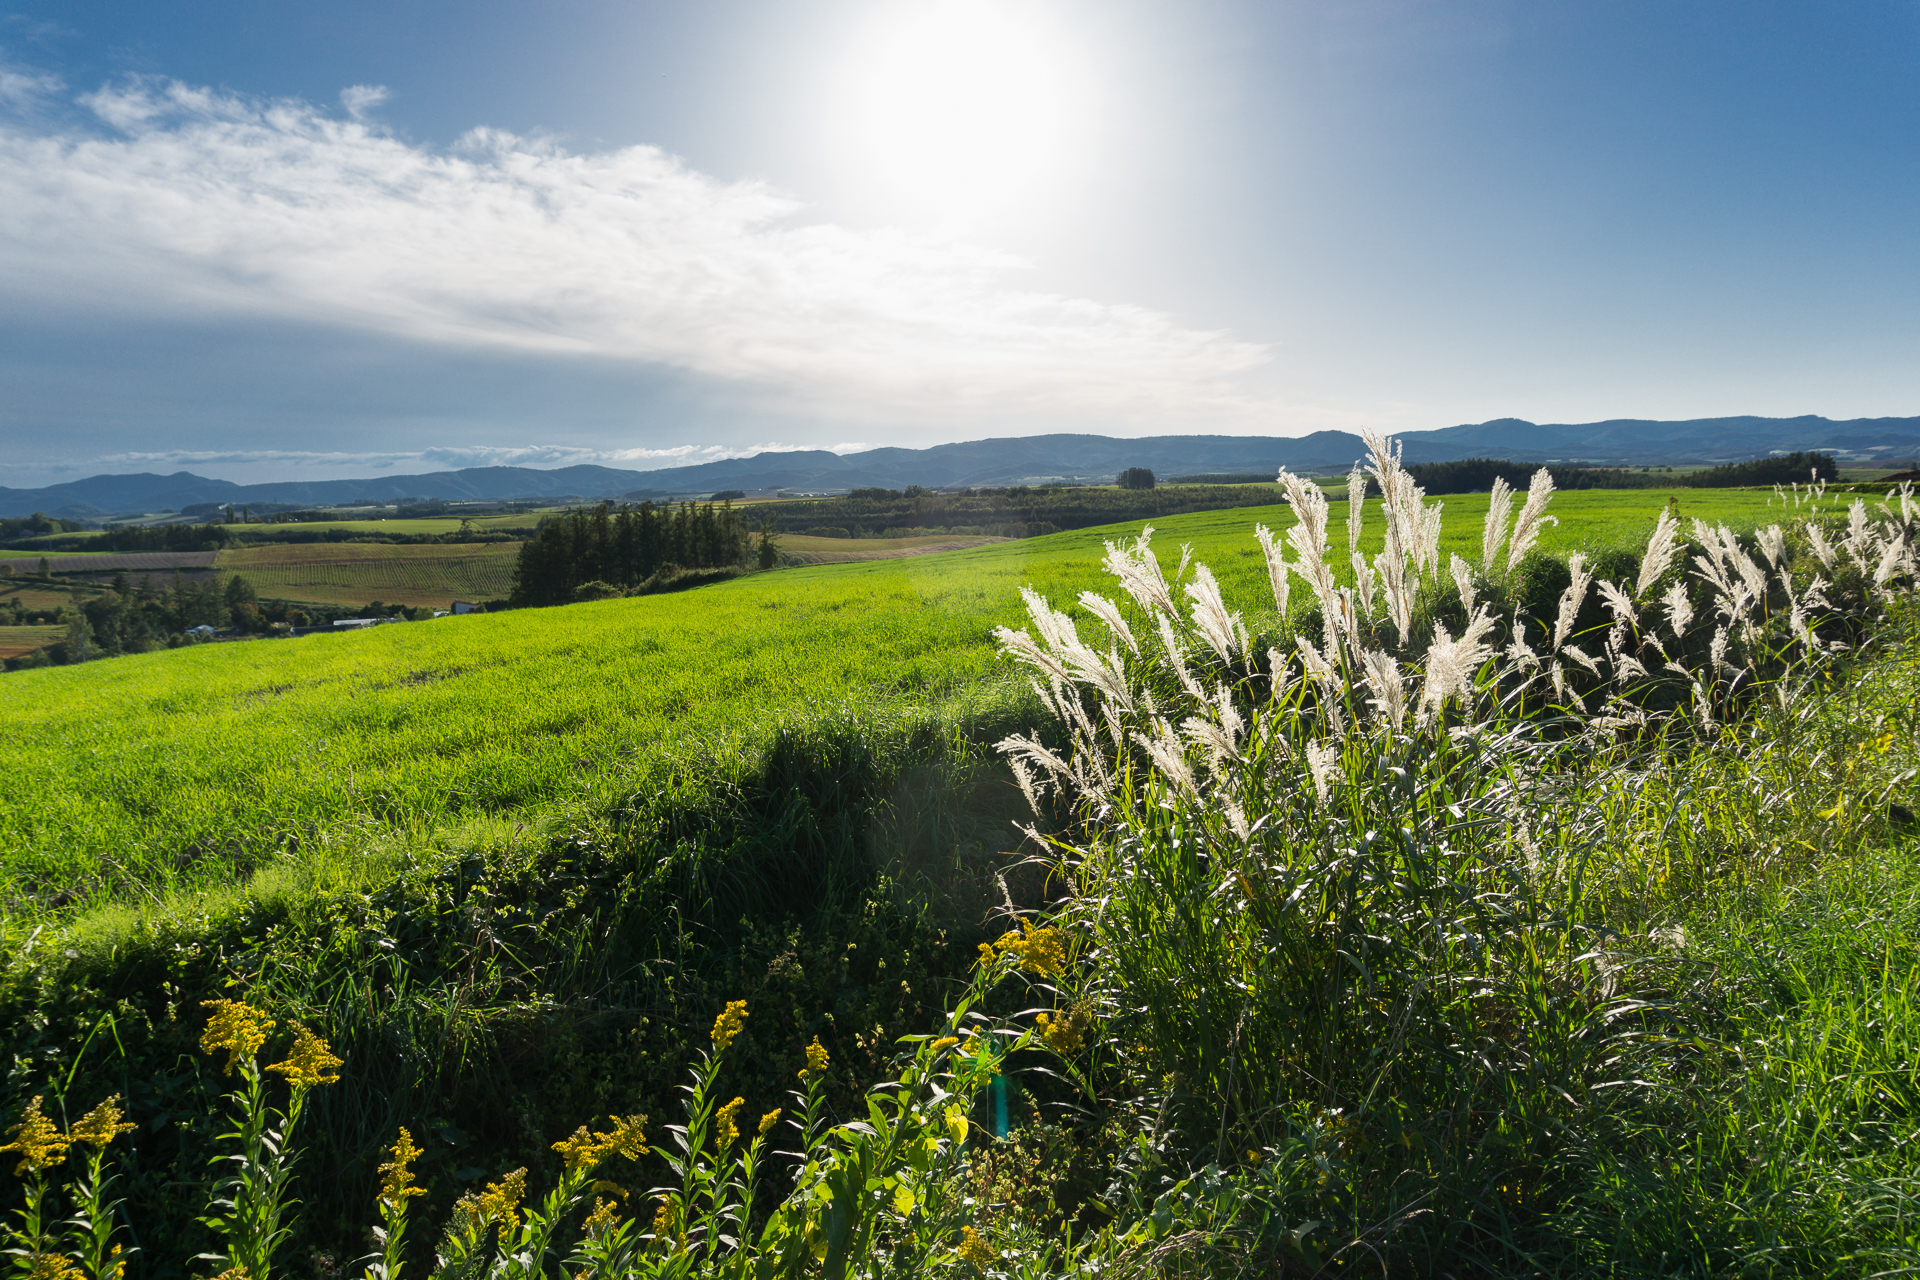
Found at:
[356, 573]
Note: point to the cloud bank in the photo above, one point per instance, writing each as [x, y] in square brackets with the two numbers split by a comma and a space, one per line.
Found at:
[169, 200]
[453, 458]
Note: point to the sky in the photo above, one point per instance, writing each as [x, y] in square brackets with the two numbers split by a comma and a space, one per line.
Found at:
[310, 240]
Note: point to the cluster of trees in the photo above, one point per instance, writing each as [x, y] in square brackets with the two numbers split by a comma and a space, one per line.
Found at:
[1135, 478]
[138, 618]
[1016, 512]
[1476, 475]
[605, 548]
[36, 526]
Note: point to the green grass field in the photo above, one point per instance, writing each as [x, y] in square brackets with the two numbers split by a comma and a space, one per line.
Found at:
[153, 772]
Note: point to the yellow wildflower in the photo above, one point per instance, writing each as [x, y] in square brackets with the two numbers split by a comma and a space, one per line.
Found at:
[396, 1179]
[500, 1202]
[728, 1127]
[1065, 1035]
[974, 1248]
[233, 1273]
[816, 1060]
[238, 1028]
[101, 1125]
[629, 1136]
[1256, 1158]
[945, 1042]
[957, 1122]
[768, 1120]
[579, 1151]
[601, 1220]
[1042, 951]
[663, 1224]
[53, 1266]
[38, 1140]
[601, 1187]
[729, 1023]
[311, 1062]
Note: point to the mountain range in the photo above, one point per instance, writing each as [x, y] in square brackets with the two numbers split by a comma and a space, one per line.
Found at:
[1020, 460]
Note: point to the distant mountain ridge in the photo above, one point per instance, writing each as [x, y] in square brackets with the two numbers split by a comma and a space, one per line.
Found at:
[1020, 460]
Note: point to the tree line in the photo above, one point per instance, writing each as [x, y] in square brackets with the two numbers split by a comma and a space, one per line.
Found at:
[626, 547]
[1016, 512]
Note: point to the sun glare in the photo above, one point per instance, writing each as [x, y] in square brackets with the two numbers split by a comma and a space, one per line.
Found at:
[960, 112]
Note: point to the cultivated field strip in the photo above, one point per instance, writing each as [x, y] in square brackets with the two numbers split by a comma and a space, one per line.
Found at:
[357, 573]
[131, 562]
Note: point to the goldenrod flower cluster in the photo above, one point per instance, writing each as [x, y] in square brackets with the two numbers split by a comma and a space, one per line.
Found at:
[945, 1042]
[729, 1024]
[101, 1125]
[38, 1140]
[500, 1203]
[816, 1060]
[396, 1179]
[768, 1120]
[974, 1248]
[602, 1219]
[311, 1063]
[585, 1150]
[663, 1234]
[238, 1028]
[728, 1128]
[1042, 951]
[234, 1273]
[1064, 1035]
[53, 1266]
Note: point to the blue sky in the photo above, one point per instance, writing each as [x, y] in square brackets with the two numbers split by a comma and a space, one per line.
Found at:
[269, 241]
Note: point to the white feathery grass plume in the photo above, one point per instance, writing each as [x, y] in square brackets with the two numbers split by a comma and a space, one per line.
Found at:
[1210, 616]
[1572, 599]
[1030, 749]
[1429, 545]
[1024, 778]
[1277, 571]
[1891, 557]
[1322, 758]
[1493, 534]
[1363, 583]
[1350, 621]
[1280, 675]
[1356, 505]
[1318, 669]
[1065, 657]
[1451, 663]
[1822, 549]
[1752, 576]
[1773, 544]
[1177, 659]
[1559, 678]
[1139, 574]
[1397, 592]
[1679, 610]
[1236, 819]
[1229, 716]
[1109, 613]
[1620, 603]
[1581, 656]
[1210, 738]
[1627, 667]
[1164, 749]
[1532, 519]
[1309, 533]
[1463, 583]
[1519, 654]
[1908, 507]
[1382, 673]
[1186, 558]
[1717, 651]
[1702, 705]
[1661, 549]
[1859, 539]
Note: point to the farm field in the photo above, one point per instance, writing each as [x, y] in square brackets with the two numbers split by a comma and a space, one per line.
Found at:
[161, 771]
[805, 550]
[17, 642]
[354, 573]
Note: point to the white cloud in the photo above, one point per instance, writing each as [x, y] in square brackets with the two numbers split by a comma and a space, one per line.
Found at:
[359, 99]
[201, 203]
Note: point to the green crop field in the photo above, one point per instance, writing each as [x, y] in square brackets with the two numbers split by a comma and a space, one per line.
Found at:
[355, 573]
[159, 771]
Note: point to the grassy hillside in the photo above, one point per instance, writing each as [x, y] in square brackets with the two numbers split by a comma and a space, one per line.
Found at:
[158, 771]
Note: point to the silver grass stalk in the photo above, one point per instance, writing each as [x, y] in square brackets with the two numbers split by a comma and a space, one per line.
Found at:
[1661, 549]
[1109, 613]
[1620, 603]
[1463, 583]
[1363, 583]
[1163, 748]
[1822, 549]
[1139, 573]
[1277, 572]
[1773, 544]
[1356, 505]
[1717, 651]
[1382, 674]
[1859, 539]
[1216, 626]
[1572, 598]
[1494, 533]
[1679, 610]
[1322, 758]
[1532, 519]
